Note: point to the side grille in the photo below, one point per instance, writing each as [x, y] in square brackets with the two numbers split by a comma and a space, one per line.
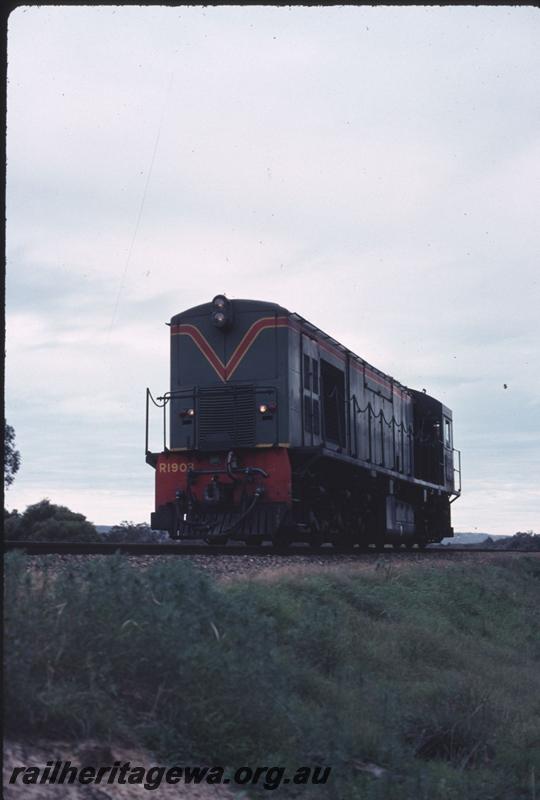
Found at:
[226, 417]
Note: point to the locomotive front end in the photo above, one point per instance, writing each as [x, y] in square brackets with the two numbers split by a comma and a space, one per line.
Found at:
[224, 471]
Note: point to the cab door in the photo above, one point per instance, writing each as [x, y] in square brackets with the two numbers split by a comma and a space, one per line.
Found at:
[311, 387]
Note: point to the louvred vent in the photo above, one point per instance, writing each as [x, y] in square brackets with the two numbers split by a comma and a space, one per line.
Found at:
[226, 417]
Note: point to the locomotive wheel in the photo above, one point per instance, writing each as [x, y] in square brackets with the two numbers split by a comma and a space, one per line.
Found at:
[281, 541]
[345, 543]
[344, 547]
[217, 541]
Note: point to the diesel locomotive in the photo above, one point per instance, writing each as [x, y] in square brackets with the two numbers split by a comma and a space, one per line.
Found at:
[273, 431]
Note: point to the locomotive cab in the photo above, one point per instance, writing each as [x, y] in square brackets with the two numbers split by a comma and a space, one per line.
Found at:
[433, 444]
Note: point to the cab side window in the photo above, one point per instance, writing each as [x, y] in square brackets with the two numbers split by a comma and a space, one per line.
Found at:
[447, 433]
[315, 375]
[307, 372]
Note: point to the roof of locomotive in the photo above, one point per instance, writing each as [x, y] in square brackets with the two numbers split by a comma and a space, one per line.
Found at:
[240, 305]
[262, 305]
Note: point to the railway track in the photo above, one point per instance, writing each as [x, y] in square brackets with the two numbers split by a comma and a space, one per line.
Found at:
[182, 549]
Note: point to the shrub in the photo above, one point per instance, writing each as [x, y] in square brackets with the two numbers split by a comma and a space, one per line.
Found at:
[524, 541]
[12, 521]
[12, 457]
[131, 532]
[455, 722]
[45, 521]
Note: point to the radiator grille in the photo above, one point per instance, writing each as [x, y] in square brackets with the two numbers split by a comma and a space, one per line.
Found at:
[226, 417]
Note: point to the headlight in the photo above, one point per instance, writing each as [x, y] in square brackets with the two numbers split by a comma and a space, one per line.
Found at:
[219, 301]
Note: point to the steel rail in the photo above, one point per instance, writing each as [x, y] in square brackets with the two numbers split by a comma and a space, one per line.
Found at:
[181, 549]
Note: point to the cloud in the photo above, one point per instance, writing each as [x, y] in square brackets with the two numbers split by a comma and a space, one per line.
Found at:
[374, 169]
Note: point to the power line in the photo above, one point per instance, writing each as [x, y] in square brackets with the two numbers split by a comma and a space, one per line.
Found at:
[141, 208]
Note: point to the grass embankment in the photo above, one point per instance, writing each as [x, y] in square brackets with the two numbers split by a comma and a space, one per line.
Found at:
[432, 675]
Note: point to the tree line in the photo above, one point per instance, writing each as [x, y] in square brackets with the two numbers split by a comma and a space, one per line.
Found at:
[46, 521]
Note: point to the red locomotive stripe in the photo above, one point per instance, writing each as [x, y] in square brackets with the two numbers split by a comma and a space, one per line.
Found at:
[377, 379]
[369, 373]
[225, 371]
[331, 350]
[249, 338]
[207, 351]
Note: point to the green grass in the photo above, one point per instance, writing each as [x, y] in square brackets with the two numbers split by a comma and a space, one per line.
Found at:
[433, 675]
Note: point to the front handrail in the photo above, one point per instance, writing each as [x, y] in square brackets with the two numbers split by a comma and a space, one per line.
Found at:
[163, 401]
[155, 401]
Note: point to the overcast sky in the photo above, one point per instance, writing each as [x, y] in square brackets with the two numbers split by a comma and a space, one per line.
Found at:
[376, 170]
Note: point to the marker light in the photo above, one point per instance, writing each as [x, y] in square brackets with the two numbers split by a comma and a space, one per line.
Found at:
[189, 412]
[267, 408]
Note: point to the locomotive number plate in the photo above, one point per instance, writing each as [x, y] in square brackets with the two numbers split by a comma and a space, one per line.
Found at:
[174, 466]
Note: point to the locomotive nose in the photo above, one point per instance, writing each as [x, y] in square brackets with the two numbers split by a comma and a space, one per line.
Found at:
[222, 315]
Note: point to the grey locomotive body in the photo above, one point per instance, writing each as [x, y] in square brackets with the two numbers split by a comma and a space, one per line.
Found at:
[279, 432]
